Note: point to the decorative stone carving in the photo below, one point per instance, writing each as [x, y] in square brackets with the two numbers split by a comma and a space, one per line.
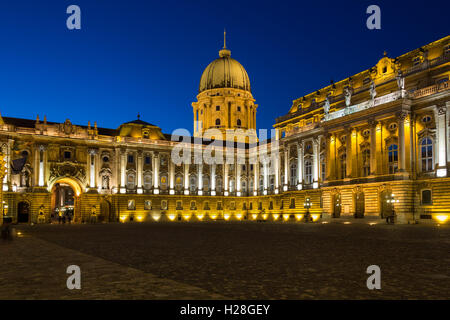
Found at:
[68, 170]
[348, 95]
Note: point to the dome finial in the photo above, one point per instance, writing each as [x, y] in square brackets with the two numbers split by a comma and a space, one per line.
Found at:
[139, 116]
[224, 52]
[224, 38]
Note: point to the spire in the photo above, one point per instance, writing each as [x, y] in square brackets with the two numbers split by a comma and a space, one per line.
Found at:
[139, 116]
[224, 53]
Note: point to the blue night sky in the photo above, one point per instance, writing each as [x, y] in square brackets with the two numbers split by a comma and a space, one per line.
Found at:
[147, 56]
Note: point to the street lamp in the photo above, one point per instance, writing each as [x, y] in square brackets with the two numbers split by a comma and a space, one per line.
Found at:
[307, 205]
[391, 200]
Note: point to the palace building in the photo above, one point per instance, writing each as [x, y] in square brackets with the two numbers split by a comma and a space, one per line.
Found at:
[360, 149]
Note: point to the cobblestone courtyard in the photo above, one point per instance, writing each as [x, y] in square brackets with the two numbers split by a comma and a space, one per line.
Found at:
[227, 261]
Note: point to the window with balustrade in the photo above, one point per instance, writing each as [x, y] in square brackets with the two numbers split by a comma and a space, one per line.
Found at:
[426, 154]
[393, 158]
[366, 162]
[308, 172]
[293, 172]
[343, 165]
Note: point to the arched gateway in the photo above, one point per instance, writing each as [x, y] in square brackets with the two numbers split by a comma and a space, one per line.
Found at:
[65, 200]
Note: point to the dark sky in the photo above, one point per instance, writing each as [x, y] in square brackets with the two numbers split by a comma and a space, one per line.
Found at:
[135, 56]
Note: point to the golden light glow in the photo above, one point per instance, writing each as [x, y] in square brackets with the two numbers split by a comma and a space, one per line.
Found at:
[347, 222]
[254, 216]
[275, 216]
[140, 218]
[324, 222]
[285, 217]
[156, 217]
[187, 216]
[238, 216]
[315, 217]
[226, 216]
[172, 217]
[264, 216]
[442, 218]
[200, 216]
[299, 216]
[213, 216]
[123, 218]
[372, 223]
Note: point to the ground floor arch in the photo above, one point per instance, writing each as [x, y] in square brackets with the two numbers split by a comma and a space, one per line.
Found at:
[65, 200]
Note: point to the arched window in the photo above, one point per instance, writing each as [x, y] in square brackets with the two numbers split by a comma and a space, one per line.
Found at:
[323, 168]
[393, 158]
[343, 165]
[272, 184]
[238, 122]
[131, 181]
[244, 187]
[206, 183]
[179, 183]
[293, 174]
[219, 184]
[192, 183]
[231, 185]
[147, 181]
[261, 184]
[164, 182]
[426, 154]
[308, 172]
[366, 162]
[217, 122]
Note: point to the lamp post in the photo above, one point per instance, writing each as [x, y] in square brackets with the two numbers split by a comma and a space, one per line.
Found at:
[307, 205]
[391, 200]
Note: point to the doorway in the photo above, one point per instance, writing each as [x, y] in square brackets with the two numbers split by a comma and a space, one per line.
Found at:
[337, 205]
[23, 212]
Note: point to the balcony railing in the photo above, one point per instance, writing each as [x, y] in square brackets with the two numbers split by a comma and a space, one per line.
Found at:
[430, 90]
[365, 105]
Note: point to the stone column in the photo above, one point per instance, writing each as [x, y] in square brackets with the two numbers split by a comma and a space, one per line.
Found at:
[286, 167]
[300, 165]
[349, 152]
[123, 155]
[156, 172]
[171, 176]
[256, 177]
[213, 179]
[266, 175]
[200, 179]
[92, 172]
[238, 179]
[441, 145]
[316, 145]
[225, 179]
[186, 178]
[401, 141]
[42, 162]
[139, 172]
[373, 147]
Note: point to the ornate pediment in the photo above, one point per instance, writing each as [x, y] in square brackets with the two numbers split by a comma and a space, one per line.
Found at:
[69, 170]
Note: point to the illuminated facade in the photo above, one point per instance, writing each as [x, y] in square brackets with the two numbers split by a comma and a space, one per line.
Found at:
[358, 148]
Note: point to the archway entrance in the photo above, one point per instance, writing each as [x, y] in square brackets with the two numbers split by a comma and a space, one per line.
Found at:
[105, 211]
[359, 205]
[23, 212]
[64, 200]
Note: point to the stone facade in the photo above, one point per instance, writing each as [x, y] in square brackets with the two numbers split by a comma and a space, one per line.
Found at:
[364, 147]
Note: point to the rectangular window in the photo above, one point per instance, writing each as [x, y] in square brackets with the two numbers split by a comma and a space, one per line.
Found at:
[426, 197]
[217, 108]
[148, 160]
[131, 205]
[130, 158]
[67, 154]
